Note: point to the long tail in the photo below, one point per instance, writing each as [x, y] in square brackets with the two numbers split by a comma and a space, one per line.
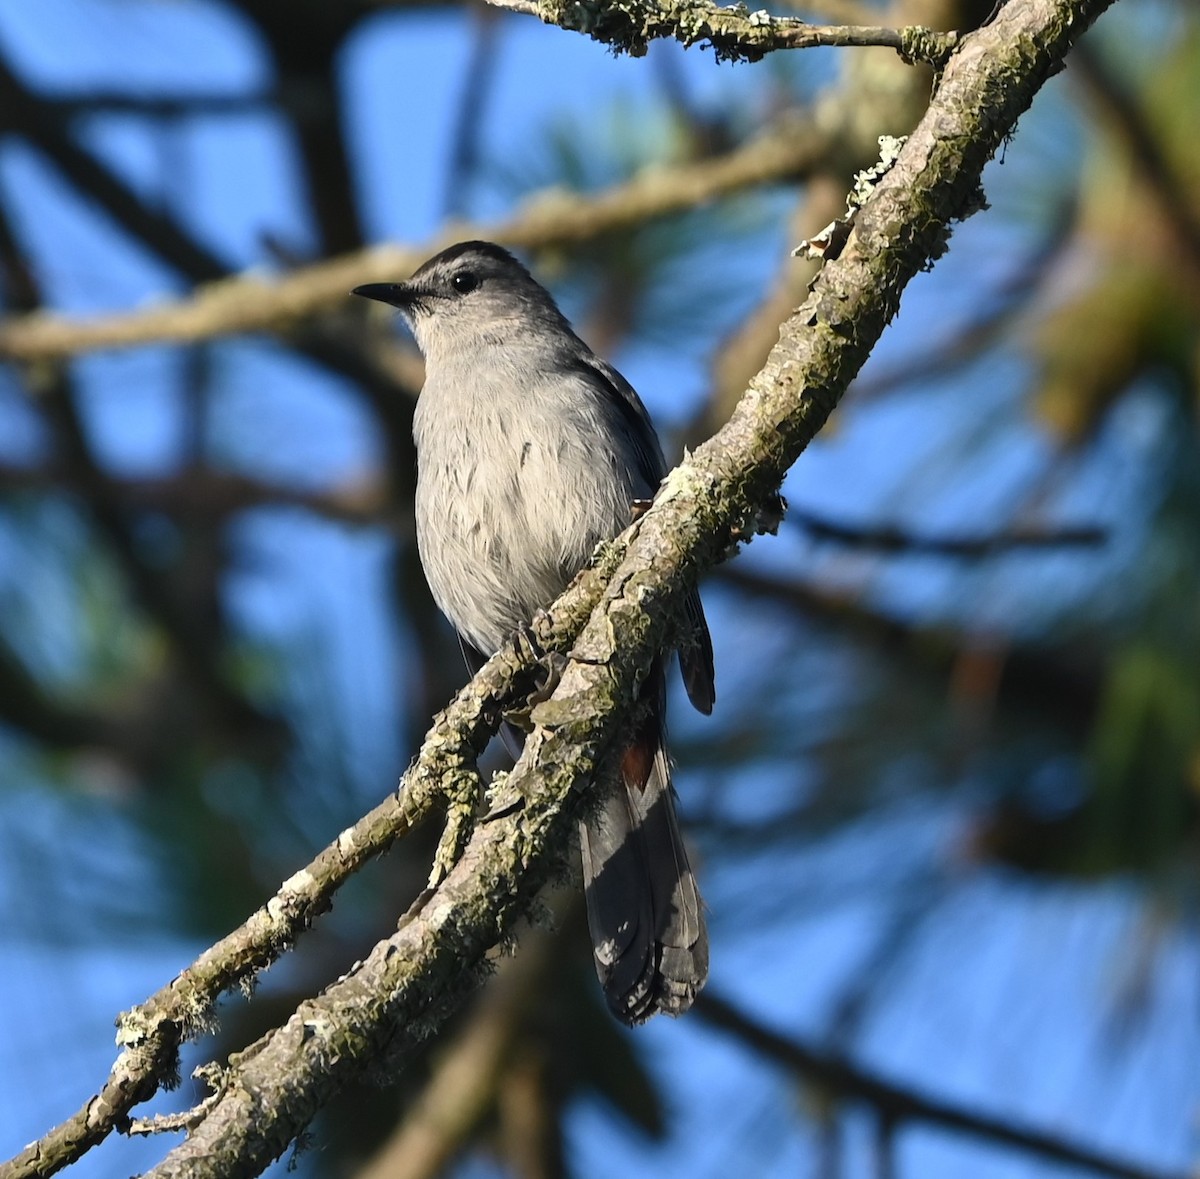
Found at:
[644, 910]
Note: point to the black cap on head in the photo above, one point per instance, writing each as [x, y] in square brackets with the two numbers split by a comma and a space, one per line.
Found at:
[484, 251]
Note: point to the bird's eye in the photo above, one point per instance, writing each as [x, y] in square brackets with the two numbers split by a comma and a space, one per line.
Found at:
[465, 281]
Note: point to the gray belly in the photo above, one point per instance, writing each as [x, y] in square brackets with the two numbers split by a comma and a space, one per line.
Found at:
[502, 536]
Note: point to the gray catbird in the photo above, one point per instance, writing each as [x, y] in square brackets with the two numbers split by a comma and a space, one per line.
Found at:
[531, 450]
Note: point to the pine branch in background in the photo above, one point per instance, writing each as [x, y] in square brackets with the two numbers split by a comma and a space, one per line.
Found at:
[249, 304]
[896, 1106]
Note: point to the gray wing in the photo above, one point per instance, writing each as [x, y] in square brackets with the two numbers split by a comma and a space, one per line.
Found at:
[695, 649]
[616, 391]
[696, 658]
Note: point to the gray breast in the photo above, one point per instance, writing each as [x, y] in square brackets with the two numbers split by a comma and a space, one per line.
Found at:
[514, 491]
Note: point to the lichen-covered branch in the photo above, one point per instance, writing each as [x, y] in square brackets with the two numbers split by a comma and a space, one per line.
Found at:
[708, 505]
[732, 31]
[254, 303]
[469, 1071]
[150, 1035]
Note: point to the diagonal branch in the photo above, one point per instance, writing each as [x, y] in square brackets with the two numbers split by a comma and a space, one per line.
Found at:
[47, 129]
[152, 1033]
[250, 302]
[469, 1071]
[407, 985]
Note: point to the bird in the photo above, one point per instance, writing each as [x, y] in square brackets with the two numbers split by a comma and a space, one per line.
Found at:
[531, 451]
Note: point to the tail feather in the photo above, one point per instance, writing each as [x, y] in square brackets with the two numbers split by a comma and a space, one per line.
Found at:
[644, 909]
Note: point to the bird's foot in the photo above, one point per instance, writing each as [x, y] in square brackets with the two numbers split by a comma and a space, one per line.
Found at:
[550, 666]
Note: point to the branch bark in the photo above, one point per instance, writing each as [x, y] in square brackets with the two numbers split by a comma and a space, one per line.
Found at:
[732, 31]
[468, 1073]
[706, 507]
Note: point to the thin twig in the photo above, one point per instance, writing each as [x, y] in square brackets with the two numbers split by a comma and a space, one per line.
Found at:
[895, 1103]
[892, 539]
[734, 32]
[166, 107]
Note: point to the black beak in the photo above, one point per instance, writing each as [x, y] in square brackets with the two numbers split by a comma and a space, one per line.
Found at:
[396, 294]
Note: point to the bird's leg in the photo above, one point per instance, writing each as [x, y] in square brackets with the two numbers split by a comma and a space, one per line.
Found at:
[639, 508]
[550, 667]
[525, 644]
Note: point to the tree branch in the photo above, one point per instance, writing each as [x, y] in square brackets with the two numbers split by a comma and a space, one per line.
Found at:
[468, 1072]
[1061, 682]
[249, 302]
[46, 128]
[151, 1033]
[888, 538]
[211, 494]
[709, 504]
[165, 107]
[733, 32]
[895, 1104]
